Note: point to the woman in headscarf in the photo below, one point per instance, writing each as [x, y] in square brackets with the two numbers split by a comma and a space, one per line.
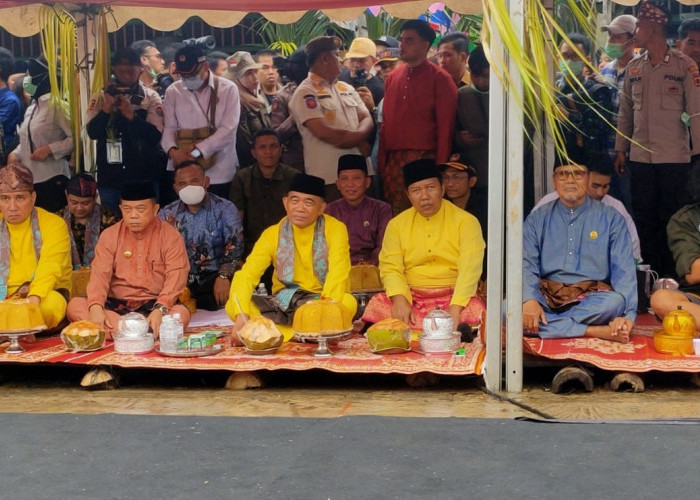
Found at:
[45, 139]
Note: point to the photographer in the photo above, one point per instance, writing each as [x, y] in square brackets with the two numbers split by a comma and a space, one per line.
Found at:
[362, 58]
[126, 120]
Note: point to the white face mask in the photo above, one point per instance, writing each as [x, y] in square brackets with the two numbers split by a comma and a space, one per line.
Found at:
[192, 195]
[192, 83]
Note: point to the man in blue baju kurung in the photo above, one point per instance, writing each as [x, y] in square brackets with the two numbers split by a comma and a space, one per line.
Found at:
[579, 274]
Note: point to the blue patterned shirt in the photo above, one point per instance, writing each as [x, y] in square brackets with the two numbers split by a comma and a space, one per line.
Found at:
[569, 245]
[213, 235]
[616, 79]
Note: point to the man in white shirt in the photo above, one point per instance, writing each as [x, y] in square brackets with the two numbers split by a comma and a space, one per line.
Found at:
[201, 118]
[599, 177]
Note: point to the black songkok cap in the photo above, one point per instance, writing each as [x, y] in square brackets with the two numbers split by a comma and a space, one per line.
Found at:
[137, 191]
[352, 162]
[82, 185]
[419, 170]
[308, 184]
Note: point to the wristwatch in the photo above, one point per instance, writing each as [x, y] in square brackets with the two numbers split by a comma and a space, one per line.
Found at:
[196, 153]
[225, 276]
[161, 308]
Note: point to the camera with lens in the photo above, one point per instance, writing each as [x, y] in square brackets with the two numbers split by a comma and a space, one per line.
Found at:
[360, 78]
[164, 80]
[203, 42]
[114, 89]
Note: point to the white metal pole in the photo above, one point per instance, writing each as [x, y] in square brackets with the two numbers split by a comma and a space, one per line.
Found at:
[514, 217]
[493, 366]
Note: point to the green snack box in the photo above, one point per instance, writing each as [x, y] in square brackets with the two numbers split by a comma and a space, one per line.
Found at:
[197, 341]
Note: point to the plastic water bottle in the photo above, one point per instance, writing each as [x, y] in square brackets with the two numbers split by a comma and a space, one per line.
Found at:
[168, 334]
[178, 328]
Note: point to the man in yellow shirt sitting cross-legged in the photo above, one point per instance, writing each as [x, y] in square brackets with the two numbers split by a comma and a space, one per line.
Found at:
[310, 253]
[35, 258]
[431, 256]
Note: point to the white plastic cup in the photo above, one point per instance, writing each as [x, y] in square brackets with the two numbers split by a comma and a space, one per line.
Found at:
[696, 346]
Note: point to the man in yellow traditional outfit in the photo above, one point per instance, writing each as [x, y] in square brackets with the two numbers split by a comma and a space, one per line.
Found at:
[35, 259]
[431, 256]
[310, 254]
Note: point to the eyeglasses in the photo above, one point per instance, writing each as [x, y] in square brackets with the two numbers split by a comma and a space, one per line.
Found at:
[576, 174]
[158, 55]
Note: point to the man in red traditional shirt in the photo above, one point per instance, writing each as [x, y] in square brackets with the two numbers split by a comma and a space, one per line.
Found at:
[419, 111]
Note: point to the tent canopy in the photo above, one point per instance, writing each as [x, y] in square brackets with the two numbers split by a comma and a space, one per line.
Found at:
[20, 17]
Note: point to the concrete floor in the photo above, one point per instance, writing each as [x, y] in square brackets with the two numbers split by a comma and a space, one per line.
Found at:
[320, 394]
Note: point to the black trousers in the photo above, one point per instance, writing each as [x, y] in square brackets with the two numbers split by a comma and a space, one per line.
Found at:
[203, 292]
[51, 194]
[658, 191]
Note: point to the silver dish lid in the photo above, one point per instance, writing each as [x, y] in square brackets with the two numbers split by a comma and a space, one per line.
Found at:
[438, 323]
[133, 325]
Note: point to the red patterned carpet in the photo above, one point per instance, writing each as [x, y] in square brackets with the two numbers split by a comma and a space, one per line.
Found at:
[636, 356]
[351, 355]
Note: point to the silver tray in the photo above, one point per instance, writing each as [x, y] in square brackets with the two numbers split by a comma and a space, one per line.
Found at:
[302, 337]
[322, 350]
[191, 354]
[24, 331]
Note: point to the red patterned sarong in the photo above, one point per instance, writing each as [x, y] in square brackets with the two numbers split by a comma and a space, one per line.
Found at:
[392, 176]
[424, 301]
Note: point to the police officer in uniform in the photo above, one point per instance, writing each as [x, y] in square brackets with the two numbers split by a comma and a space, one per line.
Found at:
[126, 120]
[660, 98]
[330, 115]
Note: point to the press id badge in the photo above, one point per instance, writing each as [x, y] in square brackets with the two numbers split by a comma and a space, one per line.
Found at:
[114, 151]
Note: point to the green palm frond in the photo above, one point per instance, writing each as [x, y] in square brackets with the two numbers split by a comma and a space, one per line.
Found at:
[59, 47]
[383, 24]
[543, 34]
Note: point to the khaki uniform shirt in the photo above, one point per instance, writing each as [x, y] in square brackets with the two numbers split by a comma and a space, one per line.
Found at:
[337, 104]
[651, 104]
